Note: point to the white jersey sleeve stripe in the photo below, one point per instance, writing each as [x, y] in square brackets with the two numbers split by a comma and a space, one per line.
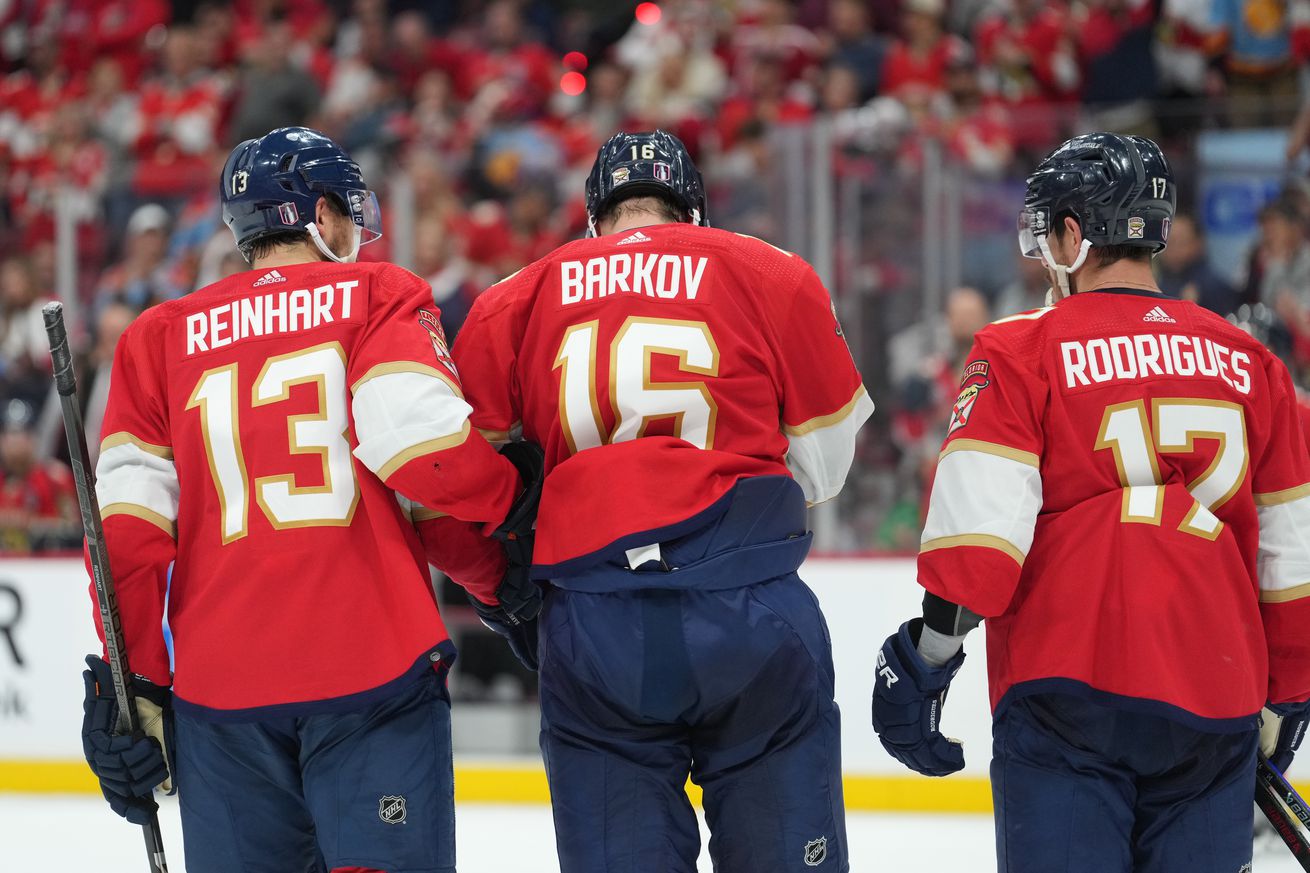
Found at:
[983, 498]
[819, 453]
[1283, 557]
[133, 481]
[402, 415]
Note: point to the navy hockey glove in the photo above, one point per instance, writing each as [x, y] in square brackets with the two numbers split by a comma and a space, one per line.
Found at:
[515, 532]
[908, 696]
[128, 767]
[515, 618]
[1282, 727]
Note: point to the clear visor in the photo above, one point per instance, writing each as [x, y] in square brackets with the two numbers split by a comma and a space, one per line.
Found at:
[366, 213]
[1033, 224]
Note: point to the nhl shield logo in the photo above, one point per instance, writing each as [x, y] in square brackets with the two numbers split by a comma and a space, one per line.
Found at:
[816, 852]
[391, 809]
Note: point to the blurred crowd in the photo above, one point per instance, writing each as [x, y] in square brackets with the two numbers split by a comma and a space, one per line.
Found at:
[477, 122]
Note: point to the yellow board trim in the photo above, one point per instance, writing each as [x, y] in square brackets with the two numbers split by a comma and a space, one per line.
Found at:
[526, 784]
[997, 449]
[1287, 495]
[123, 438]
[986, 541]
[828, 420]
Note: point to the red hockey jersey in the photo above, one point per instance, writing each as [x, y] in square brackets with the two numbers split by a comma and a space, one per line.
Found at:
[721, 352]
[257, 433]
[1123, 495]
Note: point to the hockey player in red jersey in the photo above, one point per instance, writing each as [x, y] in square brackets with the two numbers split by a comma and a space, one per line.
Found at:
[1123, 496]
[256, 436]
[692, 391]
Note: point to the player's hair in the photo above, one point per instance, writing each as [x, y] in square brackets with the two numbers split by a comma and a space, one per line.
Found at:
[645, 201]
[263, 246]
[1106, 255]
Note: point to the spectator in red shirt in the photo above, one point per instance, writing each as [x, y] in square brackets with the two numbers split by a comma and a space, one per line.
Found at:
[178, 118]
[1032, 64]
[38, 500]
[918, 60]
[508, 70]
[415, 51]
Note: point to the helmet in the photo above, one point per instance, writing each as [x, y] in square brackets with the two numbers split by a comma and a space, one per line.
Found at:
[651, 163]
[1119, 189]
[272, 185]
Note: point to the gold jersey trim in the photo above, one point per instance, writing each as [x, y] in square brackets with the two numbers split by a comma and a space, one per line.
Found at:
[137, 511]
[1287, 495]
[1283, 595]
[985, 541]
[962, 445]
[123, 438]
[828, 420]
[426, 447]
[394, 367]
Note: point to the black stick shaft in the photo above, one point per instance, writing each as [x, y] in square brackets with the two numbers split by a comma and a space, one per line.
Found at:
[106, 598]
[1283, 807]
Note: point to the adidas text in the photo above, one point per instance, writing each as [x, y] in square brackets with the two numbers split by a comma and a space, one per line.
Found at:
[1158, 314]
[269, 278]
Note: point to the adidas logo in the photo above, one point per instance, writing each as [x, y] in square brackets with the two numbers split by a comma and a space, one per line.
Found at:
[273, 277]
[1158, 314]
[637, 237]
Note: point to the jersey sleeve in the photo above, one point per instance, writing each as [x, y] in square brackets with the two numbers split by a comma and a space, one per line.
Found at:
[458, 549]
[1281, 485]
[137, 488]
[411, 418]
[987, 491]
[824, 402]
[486, 350]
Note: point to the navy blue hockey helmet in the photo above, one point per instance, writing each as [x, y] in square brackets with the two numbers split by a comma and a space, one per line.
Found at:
[273, 184]
[1118, 188]
[632, 164]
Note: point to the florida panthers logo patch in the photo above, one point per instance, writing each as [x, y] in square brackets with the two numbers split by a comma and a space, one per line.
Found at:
[432, 325]
[816, 852]
[974, 381]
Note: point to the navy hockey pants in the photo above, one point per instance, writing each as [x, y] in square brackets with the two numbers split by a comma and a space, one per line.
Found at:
[734, 687]
[371, 788]
[1085, 788]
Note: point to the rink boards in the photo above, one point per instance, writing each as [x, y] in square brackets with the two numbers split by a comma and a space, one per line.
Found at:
[46, 630]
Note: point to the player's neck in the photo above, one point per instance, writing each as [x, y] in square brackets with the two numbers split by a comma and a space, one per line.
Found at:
[634, 220]
[288, 256]
[1121, 274]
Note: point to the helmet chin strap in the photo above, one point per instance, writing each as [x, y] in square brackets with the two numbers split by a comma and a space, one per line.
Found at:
[312, 229]
[1062, 273]
[591, 226]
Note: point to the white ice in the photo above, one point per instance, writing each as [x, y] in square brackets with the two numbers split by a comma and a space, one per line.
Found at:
[77, 834]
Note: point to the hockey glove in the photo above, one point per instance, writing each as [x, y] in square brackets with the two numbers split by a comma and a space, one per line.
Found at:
[515, 532]
[1282, 727]
[515, 618]
[908, 696]
[128, 767]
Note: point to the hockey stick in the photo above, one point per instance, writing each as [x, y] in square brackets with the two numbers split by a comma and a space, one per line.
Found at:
[1284, 808]
[106, 598]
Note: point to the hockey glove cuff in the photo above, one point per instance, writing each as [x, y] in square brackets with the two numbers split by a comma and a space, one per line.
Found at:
[1282, 727]
[908, 697]
[515, 618]
[128, 767]
[515, 532]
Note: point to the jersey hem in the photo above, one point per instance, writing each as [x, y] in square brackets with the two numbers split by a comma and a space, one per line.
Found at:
[439, 658]
[1141, 705]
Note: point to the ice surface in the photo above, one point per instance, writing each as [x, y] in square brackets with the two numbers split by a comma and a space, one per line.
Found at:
[76, 834]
